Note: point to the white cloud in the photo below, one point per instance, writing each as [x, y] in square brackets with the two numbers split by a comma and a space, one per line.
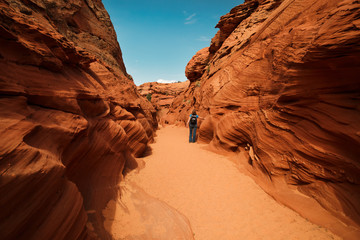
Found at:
[204, 39]
[190, 19]
[166, 81]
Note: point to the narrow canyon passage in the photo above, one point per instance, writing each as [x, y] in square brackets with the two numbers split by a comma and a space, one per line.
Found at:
[186, 192]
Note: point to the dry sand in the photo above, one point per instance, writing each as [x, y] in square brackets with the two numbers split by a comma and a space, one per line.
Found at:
[186, 192]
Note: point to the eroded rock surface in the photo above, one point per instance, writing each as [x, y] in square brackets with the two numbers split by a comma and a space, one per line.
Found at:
[197, 65]
[162, 95]
[283, 77]
[71, 119]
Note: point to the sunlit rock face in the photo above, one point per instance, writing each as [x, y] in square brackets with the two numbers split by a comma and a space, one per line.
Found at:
[69, 113]
[283, 77]
[162, 95]
[197, 65]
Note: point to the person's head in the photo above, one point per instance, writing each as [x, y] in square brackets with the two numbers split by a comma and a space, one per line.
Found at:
[194, 112]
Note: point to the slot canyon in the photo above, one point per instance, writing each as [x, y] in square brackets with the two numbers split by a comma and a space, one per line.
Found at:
[82, 147]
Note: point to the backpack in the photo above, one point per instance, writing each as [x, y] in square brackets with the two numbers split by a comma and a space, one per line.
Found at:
[193, 120]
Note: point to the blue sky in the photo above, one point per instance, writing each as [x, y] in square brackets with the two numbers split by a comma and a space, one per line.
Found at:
[159, 37]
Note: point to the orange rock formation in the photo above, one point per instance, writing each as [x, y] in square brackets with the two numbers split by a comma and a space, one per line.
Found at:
[71, 119]
[196, 67]
[283, 82]
[162, 95]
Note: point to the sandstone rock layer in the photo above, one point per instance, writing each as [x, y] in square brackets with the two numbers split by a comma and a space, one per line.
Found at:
[71, 119]
[162, 95]
[197, 65]
[284, 83]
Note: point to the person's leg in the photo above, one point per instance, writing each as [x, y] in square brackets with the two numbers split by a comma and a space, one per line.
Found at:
[194, 134]
[190, 135]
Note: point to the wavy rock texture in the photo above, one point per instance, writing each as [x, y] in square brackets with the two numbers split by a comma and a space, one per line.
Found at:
[71, 119]
[196, 67]
[284, 78]
[162, 95]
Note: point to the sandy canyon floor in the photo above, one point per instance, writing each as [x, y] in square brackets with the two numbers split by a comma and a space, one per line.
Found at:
[186, 192]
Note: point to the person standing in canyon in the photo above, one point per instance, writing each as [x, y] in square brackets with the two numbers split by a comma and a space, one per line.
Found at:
[192, 123]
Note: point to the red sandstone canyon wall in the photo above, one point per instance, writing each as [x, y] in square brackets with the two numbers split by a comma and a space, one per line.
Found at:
[71, 119]
[162, 95]
[283, 78]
